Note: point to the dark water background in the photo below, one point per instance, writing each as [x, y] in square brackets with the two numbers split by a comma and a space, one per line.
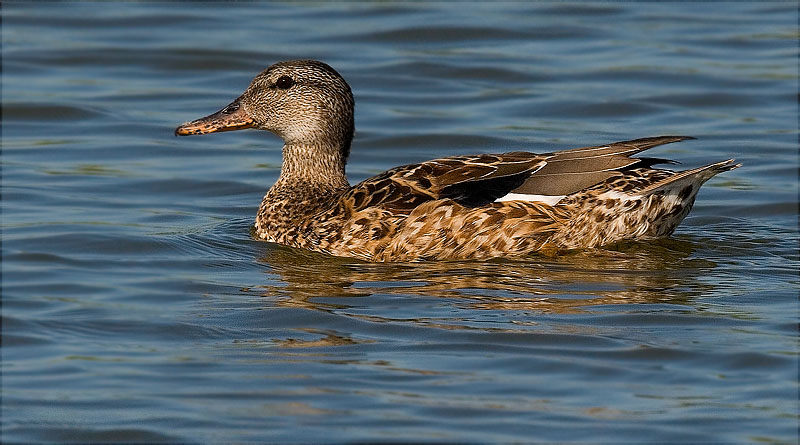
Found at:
[135, 305]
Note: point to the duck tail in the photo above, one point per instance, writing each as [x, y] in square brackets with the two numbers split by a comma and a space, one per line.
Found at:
[694, 177]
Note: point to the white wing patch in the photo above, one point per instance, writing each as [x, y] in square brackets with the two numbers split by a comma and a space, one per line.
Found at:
[547, 199]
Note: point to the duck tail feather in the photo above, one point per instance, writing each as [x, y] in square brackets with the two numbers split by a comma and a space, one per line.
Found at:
[697, 176]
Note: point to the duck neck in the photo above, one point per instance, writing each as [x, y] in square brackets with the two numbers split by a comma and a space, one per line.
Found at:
[320, 168]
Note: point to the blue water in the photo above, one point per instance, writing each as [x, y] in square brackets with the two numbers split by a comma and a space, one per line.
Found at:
[136, 306]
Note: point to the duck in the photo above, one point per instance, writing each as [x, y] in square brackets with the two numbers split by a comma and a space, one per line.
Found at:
[467, 207]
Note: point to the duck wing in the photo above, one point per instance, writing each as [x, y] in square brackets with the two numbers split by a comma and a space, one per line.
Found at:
[469, 180]
[481, 179]
[571, 171]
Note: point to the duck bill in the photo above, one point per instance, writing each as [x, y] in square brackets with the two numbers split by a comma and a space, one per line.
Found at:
[232, 117]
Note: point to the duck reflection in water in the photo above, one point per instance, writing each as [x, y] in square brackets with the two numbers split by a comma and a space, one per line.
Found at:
[631, 273]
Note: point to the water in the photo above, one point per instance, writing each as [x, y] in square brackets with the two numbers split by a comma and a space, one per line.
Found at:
[136, 307]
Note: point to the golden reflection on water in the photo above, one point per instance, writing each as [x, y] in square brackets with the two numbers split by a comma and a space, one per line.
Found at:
[659, 272]
[328, 338]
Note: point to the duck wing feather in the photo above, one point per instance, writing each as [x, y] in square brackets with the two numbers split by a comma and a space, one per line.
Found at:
[571, 171]
[469, 180]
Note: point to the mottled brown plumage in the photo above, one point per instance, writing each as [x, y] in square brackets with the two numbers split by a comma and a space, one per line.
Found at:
[460, 207]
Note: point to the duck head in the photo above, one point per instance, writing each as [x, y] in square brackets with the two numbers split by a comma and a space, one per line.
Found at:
[305, 102]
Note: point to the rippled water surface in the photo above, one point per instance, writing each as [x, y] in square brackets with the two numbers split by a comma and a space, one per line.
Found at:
[135, 305]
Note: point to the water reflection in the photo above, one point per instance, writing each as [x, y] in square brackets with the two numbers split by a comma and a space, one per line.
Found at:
[326, 338]
[659, 272]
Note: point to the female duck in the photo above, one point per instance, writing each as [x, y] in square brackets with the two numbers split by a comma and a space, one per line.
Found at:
[460, 207]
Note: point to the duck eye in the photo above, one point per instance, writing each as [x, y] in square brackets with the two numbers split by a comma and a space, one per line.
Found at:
[284, 82]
